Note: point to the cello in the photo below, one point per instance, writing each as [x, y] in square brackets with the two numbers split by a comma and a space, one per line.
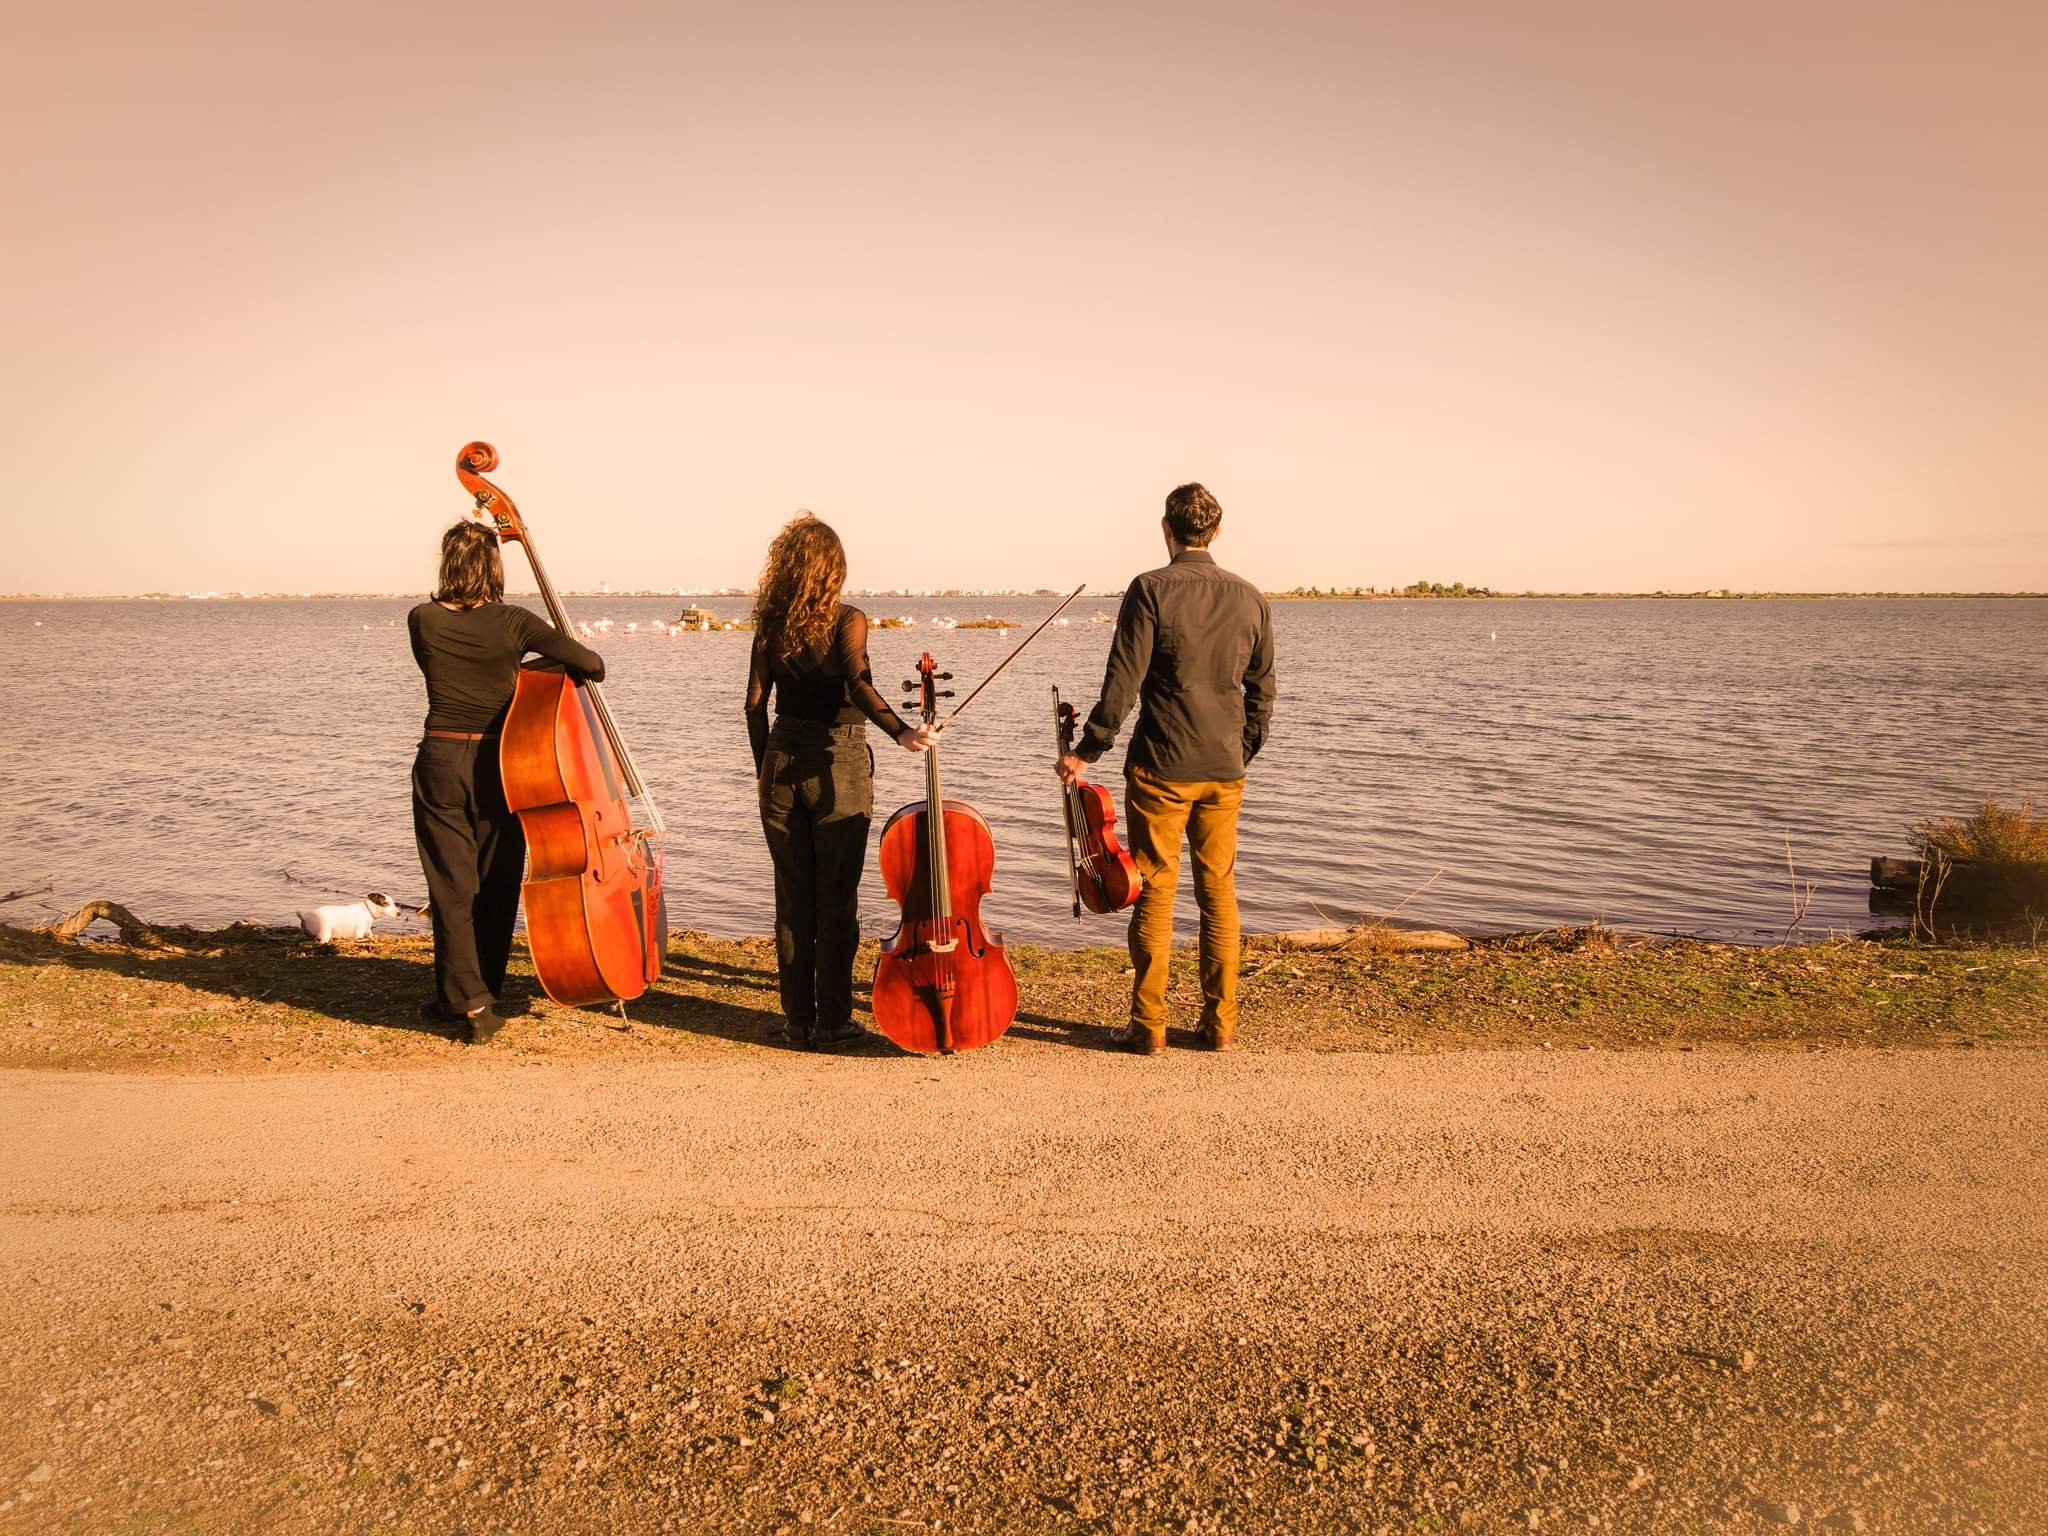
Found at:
[1105, 878]
[941, 984]
[596, 918]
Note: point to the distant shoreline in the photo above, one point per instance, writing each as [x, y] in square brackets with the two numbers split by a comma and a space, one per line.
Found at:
[1278, 597]
[1635, 597]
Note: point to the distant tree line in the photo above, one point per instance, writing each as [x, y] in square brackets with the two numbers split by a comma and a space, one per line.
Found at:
[1413, 589]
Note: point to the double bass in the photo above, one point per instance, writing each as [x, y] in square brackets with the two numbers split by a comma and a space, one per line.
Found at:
[1105, 878]
[596, 918]
[942, 984]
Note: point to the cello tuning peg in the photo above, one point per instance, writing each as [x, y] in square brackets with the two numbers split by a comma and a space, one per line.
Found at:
[945, 677]
[945, 693]
[910, 685]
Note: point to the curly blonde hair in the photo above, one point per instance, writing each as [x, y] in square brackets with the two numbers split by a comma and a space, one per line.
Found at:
[797, 599]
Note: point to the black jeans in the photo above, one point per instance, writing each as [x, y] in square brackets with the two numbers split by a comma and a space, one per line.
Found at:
[472, 851]
[817, 787]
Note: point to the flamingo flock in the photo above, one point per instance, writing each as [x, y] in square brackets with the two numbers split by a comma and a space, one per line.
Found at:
[591, 629]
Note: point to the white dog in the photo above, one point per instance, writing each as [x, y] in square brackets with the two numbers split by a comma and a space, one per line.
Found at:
[349, 921]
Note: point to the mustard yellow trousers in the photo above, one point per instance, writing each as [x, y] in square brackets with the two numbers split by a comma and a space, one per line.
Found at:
[1159, 812]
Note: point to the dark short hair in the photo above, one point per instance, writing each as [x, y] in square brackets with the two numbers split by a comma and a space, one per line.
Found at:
[1193, 514]
[472, 569]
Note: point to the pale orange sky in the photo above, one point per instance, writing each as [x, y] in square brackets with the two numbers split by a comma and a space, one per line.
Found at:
[1539, 296]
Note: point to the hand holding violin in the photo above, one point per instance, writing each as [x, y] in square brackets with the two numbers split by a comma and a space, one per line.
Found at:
[1105, 877]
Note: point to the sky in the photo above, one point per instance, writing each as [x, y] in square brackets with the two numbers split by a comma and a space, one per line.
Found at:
[1546, 296]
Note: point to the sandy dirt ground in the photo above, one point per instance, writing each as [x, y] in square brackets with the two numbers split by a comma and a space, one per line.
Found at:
[1048, 1290]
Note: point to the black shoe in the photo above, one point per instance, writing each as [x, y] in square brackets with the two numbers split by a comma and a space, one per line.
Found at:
[839, 1037]
[434, 1011]
[483, 1024]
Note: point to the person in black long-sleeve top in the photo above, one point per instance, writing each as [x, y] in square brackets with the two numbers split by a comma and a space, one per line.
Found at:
[469, 642]
[815, 771]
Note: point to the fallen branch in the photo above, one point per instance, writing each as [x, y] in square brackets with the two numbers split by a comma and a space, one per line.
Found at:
[1381, 920]
[1396, 939]
[1332, 939]
[133, 929]
[29, 890]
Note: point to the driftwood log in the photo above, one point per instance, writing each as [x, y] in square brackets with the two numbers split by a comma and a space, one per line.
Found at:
[133, 929]
[1371, 936]
[1896, 874]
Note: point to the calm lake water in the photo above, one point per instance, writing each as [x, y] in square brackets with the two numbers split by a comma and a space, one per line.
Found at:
[1496, 765]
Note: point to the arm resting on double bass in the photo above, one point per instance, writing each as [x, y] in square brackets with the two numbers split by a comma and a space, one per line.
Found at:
[542, 638]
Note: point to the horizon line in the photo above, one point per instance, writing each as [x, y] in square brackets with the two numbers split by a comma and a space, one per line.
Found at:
[1293, 594]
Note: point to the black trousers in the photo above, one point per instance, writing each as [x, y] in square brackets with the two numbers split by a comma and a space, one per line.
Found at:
[817, 797]
[472, 851]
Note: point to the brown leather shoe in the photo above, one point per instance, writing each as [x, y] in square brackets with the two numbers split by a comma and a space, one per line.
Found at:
[1138, 1040]
[1219, 1037]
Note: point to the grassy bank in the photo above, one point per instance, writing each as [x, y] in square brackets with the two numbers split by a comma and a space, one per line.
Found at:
[258, 1000]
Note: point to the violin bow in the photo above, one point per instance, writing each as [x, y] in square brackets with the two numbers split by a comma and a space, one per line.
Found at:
[1012, 656]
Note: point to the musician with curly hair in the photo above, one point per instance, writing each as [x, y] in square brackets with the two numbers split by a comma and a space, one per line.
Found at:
[815, 771]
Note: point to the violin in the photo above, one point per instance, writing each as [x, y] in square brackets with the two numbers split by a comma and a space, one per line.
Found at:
[1105, 877]
[942, 984]
[596, 916]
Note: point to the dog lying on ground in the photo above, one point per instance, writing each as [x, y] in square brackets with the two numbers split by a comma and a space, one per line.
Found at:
[351, 920]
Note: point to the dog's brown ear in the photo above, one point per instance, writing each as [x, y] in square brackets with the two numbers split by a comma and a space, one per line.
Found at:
[378, 896]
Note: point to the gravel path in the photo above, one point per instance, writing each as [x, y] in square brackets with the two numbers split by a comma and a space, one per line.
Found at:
[1053, 1291]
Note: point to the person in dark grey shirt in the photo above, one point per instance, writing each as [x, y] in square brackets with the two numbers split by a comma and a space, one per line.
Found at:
[1194, 651]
